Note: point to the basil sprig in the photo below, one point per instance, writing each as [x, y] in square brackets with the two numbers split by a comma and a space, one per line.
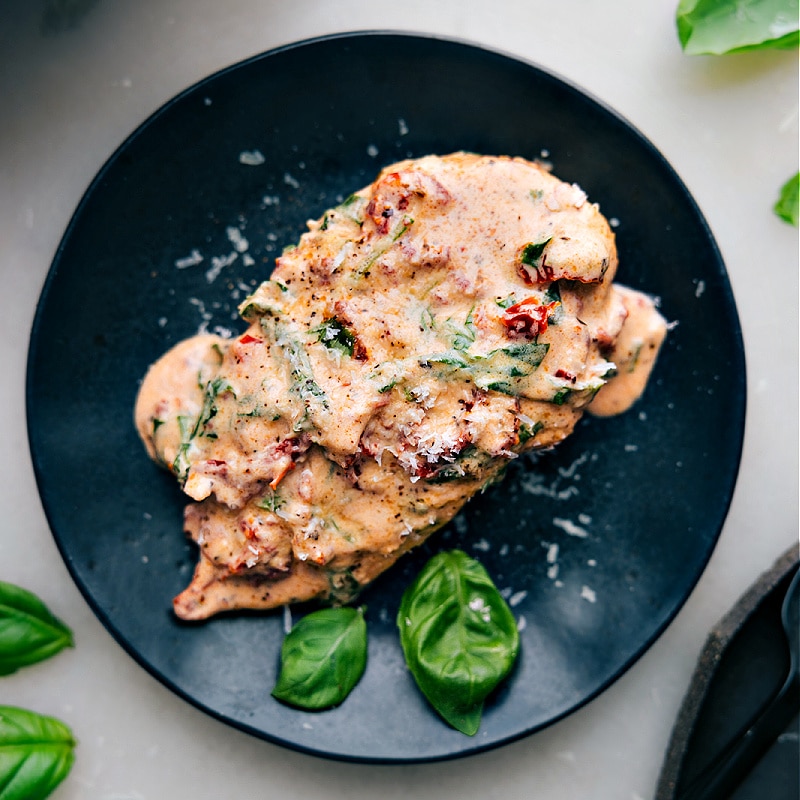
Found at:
[720, 27]
[36, 753]
[322, 658]
[787, 204]
[459, 637]
[717, 27]
[29, 632]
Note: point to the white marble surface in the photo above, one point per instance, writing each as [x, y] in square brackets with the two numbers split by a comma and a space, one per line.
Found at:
[729, 126]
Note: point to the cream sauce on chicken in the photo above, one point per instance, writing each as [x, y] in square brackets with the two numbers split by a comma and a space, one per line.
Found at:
[440, 322]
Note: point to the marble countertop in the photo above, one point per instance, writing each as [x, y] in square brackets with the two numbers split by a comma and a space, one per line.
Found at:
[72, 89]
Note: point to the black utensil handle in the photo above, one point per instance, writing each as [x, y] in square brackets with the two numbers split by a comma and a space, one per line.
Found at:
[718, 780]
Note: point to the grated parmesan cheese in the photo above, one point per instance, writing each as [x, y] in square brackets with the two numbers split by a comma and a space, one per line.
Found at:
[251, 158]
[588, 594]
[287, 619]
[517, 598]
[191, 260]
[570, 528]
[240, 244]
[218, 263]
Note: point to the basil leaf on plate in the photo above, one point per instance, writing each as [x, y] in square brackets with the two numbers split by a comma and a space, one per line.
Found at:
[787, 205]
[322, 658]
[36, 754]
[459, 637]
[29, 632]
[716, 27]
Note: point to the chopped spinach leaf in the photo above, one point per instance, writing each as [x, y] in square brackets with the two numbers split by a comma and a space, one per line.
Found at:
[300, 370]
[561, 396]
[532, 252]
[553, 295]
[336, 336]
[463, 334]
[270, 502]
[493, 370]
[353, 208]
[506, 302]
[527, 432]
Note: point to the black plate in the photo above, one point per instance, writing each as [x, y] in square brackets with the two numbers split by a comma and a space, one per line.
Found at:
[634, 504]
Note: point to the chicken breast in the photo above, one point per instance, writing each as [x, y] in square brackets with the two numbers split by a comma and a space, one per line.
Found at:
[454, 314]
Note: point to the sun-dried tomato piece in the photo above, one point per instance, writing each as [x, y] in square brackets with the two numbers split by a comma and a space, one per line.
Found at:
[528, 318]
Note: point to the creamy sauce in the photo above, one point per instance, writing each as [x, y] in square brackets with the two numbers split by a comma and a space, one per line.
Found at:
[440, 322]
[634, 355]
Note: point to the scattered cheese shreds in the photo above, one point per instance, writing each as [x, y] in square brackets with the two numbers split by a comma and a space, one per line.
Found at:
[570, 528]
[251, 158]
[191, 260]
[588, 594]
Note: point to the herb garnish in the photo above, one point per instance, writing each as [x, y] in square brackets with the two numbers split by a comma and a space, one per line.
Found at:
[304, 385]
[352, 207]
[270, 502]
[322, 658]
[493, 370]
[527, 432]
[787, 205]
[336, 336]
[718, 27]
[560, 397]
[459, 637]
[463, 334]
[191, 429]
[403, 225]
[532, 252]
[721, 27]
[36, 751]
[36, 754]
[29, 632]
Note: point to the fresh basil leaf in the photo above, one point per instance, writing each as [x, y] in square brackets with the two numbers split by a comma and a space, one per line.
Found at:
[459, 637]
[323, 657]
[787, 206]
[36, 754]
[29, 632]
[716, 27]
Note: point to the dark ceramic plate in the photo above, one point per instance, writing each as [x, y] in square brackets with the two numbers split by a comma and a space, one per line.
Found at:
[597, 545]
